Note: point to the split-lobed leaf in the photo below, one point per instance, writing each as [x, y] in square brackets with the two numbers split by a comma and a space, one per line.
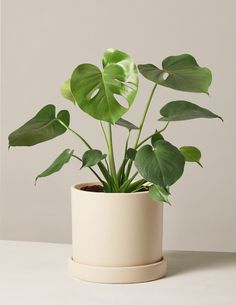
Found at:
[95, 90]
[42, 127]
[180, 72]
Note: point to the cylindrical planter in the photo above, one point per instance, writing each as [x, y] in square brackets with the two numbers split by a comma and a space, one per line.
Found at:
[116, 237]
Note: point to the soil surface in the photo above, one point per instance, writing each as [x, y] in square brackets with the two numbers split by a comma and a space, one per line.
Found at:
[92, 188]
[99, 188]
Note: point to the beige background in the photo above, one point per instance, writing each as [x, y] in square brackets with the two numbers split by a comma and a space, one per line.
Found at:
[44, 40]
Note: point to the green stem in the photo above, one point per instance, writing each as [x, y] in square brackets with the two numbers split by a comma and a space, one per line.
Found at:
[126, 184]
[99, 178]
[122, 167]
[141, 128]
[104, 133]
[107, 165]
[111, 156]
[76, 133]
[100, 164]
[159, 131]
[134, 187]
[144, 115]
[127, 143]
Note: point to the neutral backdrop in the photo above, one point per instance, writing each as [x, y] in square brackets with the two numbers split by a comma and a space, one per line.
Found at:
[43, 41]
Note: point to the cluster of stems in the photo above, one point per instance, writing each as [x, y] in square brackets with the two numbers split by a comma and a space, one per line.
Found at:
[121, 180]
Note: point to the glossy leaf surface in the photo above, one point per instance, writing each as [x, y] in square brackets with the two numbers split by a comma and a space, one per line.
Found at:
[98, 93]
[158, 193]
[62, 159]
[179, 72]
[183, 110]
[191, 154]
[92, 157]
[162, 165]
[43, 127]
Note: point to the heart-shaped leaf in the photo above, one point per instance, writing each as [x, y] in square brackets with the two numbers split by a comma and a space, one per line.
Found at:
[158, 193]
[179, 72]
[191, 154]
[92, 157]
[98, 92]
[162, 165]
[131, 153]
[126, 124]
[62, 159]
[43, 127]
[66, 91]
[183, 110]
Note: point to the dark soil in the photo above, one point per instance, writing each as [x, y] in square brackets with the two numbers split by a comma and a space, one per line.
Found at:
[99, 188]
[92, 188]
[144, 189]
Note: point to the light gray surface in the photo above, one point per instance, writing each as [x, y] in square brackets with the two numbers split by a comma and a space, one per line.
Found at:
[37, 273]
[44, 40]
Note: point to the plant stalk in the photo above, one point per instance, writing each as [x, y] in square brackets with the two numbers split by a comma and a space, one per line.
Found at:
[76, 133]
[123, 164]
[144, 116]
[104, 133]
[99, 178]
[100, 164]
[141, 128]
[111, 156]
[159, 131]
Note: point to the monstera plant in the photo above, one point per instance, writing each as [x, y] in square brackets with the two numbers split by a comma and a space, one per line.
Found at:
[106, 94]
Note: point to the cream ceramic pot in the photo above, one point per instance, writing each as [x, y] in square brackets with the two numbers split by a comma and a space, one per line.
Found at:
[116, 237]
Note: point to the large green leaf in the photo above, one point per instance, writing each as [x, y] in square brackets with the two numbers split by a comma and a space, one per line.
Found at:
[43, 127]
[99, 92]
[158, 193]
[183, 110]
[162, 165]
[179, 72]
[126, 124]
[191, 154]
[92, 157]
[62, 159]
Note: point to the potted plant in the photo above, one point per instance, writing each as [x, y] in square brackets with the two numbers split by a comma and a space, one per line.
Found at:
[117, 220]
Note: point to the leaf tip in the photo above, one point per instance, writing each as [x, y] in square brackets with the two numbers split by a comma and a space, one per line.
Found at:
[35, 181]
[199, 163]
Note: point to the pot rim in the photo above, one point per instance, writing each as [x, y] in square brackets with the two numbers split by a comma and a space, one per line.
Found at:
[77, 187]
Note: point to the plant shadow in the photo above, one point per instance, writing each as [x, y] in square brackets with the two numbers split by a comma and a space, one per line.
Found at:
[180, 262]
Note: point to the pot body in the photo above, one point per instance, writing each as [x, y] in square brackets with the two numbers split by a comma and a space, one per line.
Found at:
[114, 233]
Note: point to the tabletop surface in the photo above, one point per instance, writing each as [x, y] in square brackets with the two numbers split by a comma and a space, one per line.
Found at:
[37, 274]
